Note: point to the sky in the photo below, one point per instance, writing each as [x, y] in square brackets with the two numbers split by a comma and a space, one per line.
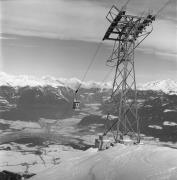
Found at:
[59, 38]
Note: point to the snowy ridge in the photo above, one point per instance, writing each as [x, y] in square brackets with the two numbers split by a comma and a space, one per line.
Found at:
[167, 86]
[25, 80]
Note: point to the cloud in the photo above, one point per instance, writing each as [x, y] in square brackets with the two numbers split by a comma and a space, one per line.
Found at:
[54, 19]
[83, 20]
[1, 37]
[163, 38]
[163, 54]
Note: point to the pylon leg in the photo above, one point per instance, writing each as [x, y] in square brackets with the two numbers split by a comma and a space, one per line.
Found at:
[124, 90]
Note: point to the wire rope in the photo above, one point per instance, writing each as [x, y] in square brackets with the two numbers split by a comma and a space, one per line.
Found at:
[89, 66]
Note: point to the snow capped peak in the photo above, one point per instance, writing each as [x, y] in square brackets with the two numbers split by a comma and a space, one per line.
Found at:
[167, 86]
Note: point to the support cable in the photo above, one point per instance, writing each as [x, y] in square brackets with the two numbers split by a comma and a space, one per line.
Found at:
[89, 66]
[163, 7]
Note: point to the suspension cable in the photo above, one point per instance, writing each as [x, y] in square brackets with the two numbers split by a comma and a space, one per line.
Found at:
[89, 66]
[163, 7]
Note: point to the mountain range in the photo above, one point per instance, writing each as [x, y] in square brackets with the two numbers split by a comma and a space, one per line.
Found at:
[167, 86]
[25, 80]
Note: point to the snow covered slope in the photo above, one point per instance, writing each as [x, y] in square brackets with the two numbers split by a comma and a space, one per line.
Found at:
[118, 163]
[167, 86]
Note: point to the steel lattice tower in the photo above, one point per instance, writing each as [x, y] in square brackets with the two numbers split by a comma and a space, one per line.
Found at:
[127, 32]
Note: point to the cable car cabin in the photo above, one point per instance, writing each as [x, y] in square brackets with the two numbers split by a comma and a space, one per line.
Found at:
[76, 105]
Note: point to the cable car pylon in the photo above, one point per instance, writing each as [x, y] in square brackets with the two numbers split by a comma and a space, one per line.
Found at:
[127, 32]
